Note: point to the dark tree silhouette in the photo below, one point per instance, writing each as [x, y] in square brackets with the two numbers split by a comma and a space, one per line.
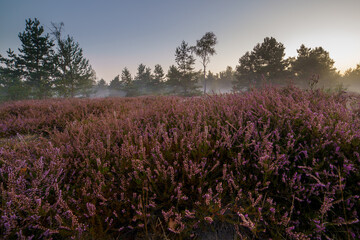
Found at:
[74, 73]
[36, 59]
[310, 62]
[126, 83]
[265, 61]
[11, 85]
[185, 61]
[173, 79]
[142, 81]
[126, 76]
[115, 84]
[157, 83]
[353, 74]
[102, 85]
[158, 74]
[351, 79]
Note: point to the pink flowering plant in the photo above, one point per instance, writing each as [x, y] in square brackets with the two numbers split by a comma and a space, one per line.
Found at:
[272, 163]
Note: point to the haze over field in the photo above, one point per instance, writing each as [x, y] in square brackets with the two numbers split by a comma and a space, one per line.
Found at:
[118, 34]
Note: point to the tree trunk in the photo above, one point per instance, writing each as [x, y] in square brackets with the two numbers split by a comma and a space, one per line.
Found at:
[204, 79]
[72, 90]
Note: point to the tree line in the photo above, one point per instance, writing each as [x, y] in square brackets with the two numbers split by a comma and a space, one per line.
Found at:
[51, 65]
[181, 79]
[45, 66]
[265, 63]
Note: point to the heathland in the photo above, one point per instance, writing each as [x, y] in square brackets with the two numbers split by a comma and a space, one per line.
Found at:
[279, 163]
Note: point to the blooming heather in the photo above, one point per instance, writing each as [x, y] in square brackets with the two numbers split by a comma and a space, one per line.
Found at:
[274, 163]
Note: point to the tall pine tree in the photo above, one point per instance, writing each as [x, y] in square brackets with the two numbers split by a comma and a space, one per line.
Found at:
[265, 61]
[128, 83]
[74, 73]
[185, 61]
[158, 75]
[126, 78]
[36, 59]
[142, 81]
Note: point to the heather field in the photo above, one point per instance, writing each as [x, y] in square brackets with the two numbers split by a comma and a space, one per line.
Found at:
[269, 163]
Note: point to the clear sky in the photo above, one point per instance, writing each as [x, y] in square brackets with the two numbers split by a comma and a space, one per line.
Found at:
[124, 33]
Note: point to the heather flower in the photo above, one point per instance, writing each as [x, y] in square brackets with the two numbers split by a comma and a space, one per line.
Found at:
[91, 209]
[246, 221]
[208, 219]
[189, 214]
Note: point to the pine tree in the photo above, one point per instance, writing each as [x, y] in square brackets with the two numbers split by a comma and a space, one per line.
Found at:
[11, 85]
[115, 84]
[74, 73]
[140, 73]
[102, 83]
[126, 78]
[310, 62]
[246, 74]
[143, 80]
[185, 61]
[36, 59]
[158, 74]
[173, 79]
[265, 62]
[351, 78]
[128, 83]
[101, 87]
[353, 74]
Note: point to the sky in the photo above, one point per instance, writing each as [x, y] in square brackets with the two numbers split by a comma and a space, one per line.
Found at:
[124, 33]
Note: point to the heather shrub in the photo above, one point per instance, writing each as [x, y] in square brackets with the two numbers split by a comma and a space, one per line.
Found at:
[272, 163]
[41, 117]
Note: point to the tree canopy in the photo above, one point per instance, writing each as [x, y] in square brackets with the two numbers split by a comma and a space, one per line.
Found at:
[38, 71]
[74, 73]
[36, 59]
[311, 62]
[185, 64]
[265, 62]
